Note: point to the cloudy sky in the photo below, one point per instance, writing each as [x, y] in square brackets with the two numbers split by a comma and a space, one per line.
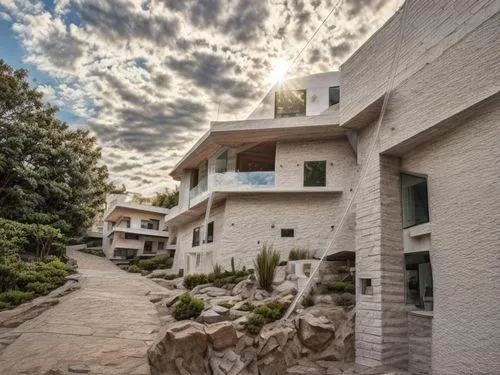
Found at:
[148, 76]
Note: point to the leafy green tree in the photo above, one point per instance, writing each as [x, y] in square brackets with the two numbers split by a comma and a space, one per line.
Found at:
[49, 174]
[168, 198]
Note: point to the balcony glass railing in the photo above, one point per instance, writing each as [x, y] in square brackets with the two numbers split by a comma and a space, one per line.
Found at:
[198, 189]
[244, 179]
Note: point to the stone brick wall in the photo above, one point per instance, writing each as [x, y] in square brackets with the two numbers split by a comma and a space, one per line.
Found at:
[463, 183]
[419, 343]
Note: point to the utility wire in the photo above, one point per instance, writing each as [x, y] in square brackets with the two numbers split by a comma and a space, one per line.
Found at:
[388, 90]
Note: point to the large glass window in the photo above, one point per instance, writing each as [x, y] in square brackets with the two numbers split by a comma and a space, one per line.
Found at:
[315, 173]
[210, 232]
[196, 237]
[415, 201]
[221, 163]
[290, 103]
[148, 246]
[419, 285]
[334, 95]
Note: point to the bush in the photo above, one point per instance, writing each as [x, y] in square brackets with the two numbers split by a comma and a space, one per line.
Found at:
[225, 304]
[8, 277]
[265, 266]
[170, 277]
[247, 306]
[297, 254]
[341, 286]
[133, 269]
[156, 263]
[307, 301]
[97, 251]
[345, 300]
[263, 315]
[15, 297]
[188, 308]
[195, 279]
[40, 288]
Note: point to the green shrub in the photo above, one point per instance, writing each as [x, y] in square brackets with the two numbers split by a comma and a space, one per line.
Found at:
[41, 288]
[341, 286]
[4, 305]
[15, 297]
[307, 301]
[297, 254]
[8, 277]
[195, 279]
[187, 308]
[247, 306]
[263, 315]
[225, 304]
[155, 263]
[170, 277]
[345, 300]
[217, 269]
[133, 269]
[265, 266]
[97, 251]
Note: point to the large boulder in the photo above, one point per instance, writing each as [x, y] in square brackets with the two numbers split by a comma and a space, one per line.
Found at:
[285, 288]
[245, 289]
[211, 316]
[221, 335]
[212, 291]
[280, 275]
[180, 350]
[315, 332]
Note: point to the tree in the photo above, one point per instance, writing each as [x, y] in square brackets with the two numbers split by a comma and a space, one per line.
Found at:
[49, 174]
[168, 198]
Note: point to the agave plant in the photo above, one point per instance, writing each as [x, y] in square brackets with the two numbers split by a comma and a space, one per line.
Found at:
[265, 266]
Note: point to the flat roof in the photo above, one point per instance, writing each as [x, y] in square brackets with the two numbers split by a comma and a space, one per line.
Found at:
[136, 207]
[237, 133]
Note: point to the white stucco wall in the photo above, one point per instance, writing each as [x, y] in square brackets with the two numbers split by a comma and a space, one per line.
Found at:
[463, 184]
[317, 94]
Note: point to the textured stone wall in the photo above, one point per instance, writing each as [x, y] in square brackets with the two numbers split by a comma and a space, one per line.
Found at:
[463, 169]
[419, 344]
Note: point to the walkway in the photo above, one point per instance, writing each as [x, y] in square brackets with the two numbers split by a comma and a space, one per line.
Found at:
[105, 326]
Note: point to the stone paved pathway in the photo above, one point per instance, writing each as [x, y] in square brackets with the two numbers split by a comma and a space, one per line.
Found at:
[106, 326]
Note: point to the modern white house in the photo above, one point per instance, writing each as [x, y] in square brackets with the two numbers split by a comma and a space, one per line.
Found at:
[133, 230]
[425, 224]
[279, 178]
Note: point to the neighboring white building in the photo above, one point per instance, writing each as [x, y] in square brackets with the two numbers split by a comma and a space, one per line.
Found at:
[280, 180]
[133, 230]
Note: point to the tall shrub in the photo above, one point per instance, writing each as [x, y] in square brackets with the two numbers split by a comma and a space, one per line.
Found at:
[265, 266]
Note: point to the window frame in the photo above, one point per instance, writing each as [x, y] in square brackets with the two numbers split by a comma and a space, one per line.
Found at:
[196, 237]
[404, 203]
[285, 115]
[284, 232]
[210, 232]
[304, 172]
[329, 95]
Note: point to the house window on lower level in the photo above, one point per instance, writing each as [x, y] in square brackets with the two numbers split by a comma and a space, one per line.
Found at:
[148, 246]
[210, 232]
[161, 245]
[315, 173]
[287, 232]
[419, 284]
[414, 199]
[131, 236]
[196, 237]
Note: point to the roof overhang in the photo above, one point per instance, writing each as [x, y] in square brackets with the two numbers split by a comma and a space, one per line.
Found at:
[237, 133]
[117, 210]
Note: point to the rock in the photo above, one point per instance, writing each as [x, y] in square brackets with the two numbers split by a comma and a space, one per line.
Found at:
[315, 332]
[273, 336]
[210, 316]
[285, 288]
[245, 289]
[260, 294]
[70, 286]
[79, 369]
[214, 292]
[221, 335]
[54, 371]
[323, 298]
[229, 363]
[20, 314]
[186, 340]
[198, 288]
[158, 274]
[235, 314]
[240, 323]
[305, 370]
[170, 300]
[220, 310]
[280, 275]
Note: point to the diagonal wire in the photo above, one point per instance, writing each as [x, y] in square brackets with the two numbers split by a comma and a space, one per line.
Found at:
[388, 90]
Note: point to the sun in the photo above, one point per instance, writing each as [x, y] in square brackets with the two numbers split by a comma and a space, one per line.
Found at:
[280, 68]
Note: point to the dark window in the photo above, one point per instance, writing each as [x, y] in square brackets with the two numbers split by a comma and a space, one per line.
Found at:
[131, 236]
[366, 286]
[419, 285]
[290, 103]
[287, 233]
[161, 245]
[334, 95]
[414, 198]
[148, 246]
[150, 224]
[315, 173]
[196, 237]
[210, 232]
